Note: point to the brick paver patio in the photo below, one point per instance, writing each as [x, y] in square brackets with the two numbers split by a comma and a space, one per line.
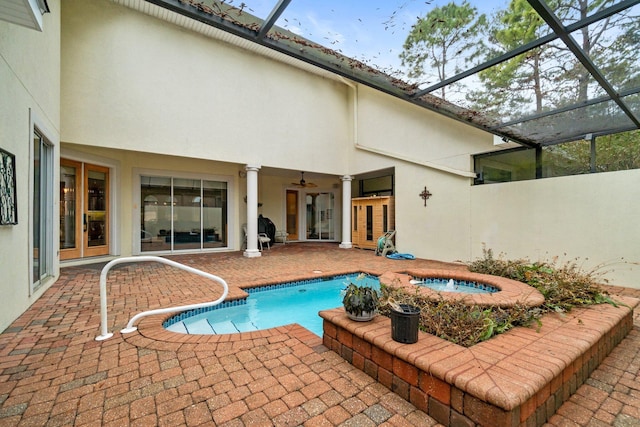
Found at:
[53, 372]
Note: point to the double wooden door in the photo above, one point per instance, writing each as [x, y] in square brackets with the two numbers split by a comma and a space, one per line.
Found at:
[84, 210]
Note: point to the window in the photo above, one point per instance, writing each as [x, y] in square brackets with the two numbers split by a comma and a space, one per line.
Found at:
[385, 218]
[508, 165]
[42, 212]
[182, 213]
[378, 186]
[614, 152]
[369, 222]
[355, 218]
[319, 219]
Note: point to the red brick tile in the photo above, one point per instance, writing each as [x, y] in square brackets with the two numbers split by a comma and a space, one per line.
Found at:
[385, 378]
[405, 371]
[275, 392]
[294, 416]
[485, 414]
[362, 347]
[88, 418]
[228, 412]
[142, 407]
[331, 398]
[435, 387]
[317, 421]
[358, 361]
[291, 382]
[197, 414]
[275, 408]
[36, 409]
[174, 418]
[419, 398]
[239, 393]
[294, 399]
[382, 358]
[528, 409]
[337, 415]
[256, 400]
[345, 337]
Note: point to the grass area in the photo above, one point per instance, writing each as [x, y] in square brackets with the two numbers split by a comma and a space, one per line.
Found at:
[564, 287]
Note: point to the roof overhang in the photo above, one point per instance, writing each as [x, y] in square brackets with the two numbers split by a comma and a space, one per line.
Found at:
[27, 13]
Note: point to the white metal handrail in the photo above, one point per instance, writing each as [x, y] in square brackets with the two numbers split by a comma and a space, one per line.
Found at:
[105, 334]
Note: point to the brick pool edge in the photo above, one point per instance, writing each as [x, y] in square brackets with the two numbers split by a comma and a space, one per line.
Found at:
[519, 378]
[510, 292]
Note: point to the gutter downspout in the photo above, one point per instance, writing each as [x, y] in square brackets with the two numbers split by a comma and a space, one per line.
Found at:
[427, 164]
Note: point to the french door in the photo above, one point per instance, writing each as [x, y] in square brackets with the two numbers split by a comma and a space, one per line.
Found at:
[292, 214]
[84, 210]
[320, 220]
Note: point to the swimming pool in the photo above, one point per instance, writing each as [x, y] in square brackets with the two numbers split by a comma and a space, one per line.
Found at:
[271, 306]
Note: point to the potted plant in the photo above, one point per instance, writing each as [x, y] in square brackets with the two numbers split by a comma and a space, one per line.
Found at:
[405, 318]
[360, 302]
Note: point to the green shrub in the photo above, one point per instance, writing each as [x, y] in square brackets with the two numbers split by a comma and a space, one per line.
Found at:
[457, 322]
[563, 286]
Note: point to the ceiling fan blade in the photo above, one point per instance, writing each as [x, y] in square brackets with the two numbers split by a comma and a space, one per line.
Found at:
[302, 183]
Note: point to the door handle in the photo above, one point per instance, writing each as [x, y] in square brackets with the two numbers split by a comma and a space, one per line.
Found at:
[84, 220]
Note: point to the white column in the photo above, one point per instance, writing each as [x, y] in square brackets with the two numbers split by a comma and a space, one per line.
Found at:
[252, 212]
[346, 212]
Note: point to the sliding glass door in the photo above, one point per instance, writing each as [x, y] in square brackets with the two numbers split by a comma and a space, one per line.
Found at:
[42, 242]
[182, 213]
[320, 216]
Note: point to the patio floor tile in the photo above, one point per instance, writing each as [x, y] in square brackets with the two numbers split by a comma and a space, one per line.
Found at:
[53, 372]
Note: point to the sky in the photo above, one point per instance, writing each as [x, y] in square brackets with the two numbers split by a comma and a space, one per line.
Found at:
[371, 31]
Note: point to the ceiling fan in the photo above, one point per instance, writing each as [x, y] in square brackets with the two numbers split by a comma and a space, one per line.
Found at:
[303, 183]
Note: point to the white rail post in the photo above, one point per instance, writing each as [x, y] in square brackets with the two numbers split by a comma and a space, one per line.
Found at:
[105, 334]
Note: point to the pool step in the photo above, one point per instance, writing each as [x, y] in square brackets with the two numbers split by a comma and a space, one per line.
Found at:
[245, 326]
[178, 327]
[230, 327]
[201, 326]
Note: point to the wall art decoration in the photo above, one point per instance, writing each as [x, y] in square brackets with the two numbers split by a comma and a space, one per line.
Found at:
[8, 200]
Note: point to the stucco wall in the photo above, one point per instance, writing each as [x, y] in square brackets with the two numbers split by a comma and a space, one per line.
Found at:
[426, 150]
[389, 124]
[593, 218]
[131, 80]
[29, 88]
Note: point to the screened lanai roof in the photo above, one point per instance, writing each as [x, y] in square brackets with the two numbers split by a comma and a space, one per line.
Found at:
[538, 72]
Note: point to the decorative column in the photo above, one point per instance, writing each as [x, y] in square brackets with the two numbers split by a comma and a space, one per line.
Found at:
[346, 212]
[252, 212]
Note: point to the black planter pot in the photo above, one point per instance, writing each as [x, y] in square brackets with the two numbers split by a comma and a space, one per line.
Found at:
[404, 324]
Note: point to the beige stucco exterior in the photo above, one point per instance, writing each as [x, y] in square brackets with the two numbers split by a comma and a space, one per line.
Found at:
[589, 219]
[134, 81]
[30, 96]
[119, 88]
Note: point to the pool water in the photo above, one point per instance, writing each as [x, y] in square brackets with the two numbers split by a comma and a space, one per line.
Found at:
[451, 285]
[274, 306]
